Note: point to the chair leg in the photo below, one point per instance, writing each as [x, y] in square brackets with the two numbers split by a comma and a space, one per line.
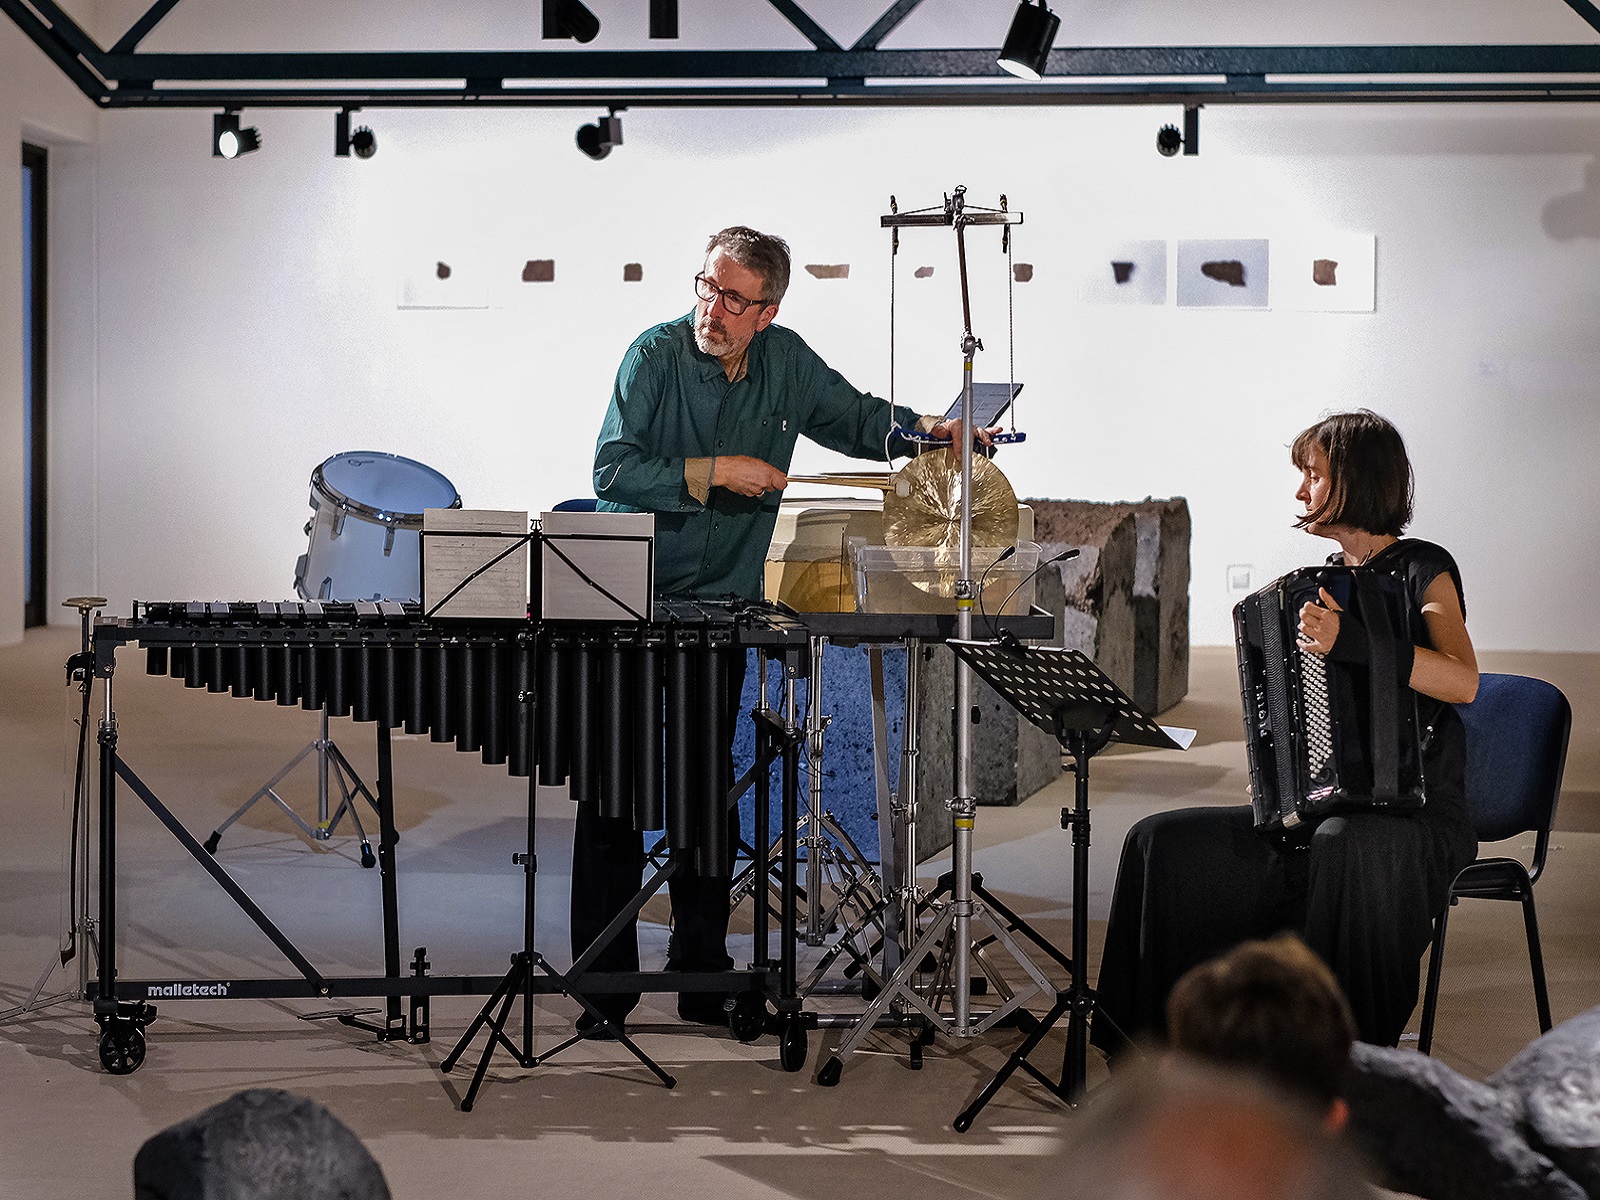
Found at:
[1541, 994]
[1430, 995]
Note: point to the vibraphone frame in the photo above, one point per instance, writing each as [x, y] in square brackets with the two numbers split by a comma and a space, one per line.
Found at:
[357, 635]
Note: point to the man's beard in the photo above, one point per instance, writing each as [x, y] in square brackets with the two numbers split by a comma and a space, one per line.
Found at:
[713, 339]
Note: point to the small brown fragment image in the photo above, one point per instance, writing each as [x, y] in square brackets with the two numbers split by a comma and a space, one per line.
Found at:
[1122, 271]
[1324, 272]
[1229, 271]
[632, 272]
[923, 272]
[539, 270]
[1022, 272]
[442, 270]
[828, 270]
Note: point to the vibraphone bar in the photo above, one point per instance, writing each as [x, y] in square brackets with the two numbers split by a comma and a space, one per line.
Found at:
[629, 715]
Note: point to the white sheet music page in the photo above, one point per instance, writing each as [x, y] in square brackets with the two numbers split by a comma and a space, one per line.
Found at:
[456, 542]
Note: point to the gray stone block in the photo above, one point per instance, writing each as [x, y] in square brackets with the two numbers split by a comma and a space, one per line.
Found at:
[1445, 1137]
[1554, 1086]
[1011, 757]
[261, 1144]
[1125, 600]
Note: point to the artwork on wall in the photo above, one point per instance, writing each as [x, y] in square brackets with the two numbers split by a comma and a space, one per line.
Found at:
[1325, 271]
[1311, 271]
[1222, 273]
[1126, 273]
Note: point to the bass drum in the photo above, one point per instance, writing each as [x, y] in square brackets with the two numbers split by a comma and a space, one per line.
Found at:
[366, 527]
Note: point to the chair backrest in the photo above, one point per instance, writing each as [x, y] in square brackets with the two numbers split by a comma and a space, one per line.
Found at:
[1517, 731]
[584, 504]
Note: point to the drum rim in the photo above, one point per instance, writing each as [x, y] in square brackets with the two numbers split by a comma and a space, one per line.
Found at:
[382, 516]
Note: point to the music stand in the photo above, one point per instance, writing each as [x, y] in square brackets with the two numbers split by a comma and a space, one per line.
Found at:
[1064, 693]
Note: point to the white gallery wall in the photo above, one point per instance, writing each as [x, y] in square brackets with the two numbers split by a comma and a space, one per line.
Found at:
[220, 328]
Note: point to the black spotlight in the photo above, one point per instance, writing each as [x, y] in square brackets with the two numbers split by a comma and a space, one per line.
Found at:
[363, 141]
[1027, 47]
[228, 140]
[596, 140]
[569, 19]
[1169, 141]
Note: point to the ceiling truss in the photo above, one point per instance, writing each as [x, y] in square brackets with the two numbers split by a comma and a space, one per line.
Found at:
[862, 74]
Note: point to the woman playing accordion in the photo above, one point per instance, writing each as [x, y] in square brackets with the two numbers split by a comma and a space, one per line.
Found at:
[1364, 887]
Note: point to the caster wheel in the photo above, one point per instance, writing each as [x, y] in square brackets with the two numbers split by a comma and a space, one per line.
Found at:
[121, 1050]
[212, 842]
[792, 1047]
[748, 1020]
[829, 1075]
[368, 858]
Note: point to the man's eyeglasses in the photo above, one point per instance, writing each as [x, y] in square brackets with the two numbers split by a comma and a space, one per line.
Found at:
[731, 300]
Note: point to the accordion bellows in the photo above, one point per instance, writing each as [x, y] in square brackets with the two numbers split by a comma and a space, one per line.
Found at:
[1326, 735]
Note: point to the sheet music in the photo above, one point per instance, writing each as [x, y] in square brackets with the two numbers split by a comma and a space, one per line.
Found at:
[458, 541]
[597, 566]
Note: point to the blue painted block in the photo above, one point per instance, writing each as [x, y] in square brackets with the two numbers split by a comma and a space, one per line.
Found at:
[848, 789]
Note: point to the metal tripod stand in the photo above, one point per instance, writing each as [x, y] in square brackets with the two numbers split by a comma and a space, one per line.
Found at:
[80, 942]
[331, 765]
[955, 919]
[843, 893]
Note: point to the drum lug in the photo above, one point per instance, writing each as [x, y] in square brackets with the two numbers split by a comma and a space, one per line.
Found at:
[338, 521]
[388, 541]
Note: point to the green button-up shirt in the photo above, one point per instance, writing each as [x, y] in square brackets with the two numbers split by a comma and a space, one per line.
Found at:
[672, 403]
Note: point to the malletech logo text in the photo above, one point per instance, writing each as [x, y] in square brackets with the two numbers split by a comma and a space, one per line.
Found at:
[185, 991]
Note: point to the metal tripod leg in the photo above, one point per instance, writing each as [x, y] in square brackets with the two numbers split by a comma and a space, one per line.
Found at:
[945, 933]
[331, 763]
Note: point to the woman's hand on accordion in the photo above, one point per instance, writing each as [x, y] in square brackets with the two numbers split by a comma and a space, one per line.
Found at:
[1319, 623]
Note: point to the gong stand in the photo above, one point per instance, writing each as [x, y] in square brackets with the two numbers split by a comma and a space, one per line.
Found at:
[953, 923]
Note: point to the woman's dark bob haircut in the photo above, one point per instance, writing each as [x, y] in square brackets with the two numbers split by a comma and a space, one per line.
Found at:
[1369, 475]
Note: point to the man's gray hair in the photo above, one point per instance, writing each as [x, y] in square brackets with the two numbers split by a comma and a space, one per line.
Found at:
[763, 253]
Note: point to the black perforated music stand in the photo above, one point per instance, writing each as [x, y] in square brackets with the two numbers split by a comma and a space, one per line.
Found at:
[1067, 695]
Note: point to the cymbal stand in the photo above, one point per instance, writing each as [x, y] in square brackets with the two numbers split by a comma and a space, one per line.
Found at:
[331, 763]
[834, 863]
[80, 935]
[957, 916]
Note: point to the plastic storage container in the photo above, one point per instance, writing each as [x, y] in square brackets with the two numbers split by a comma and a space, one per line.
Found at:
[922, 579]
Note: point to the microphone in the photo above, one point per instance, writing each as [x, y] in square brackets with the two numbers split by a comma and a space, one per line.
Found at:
[1006, 636]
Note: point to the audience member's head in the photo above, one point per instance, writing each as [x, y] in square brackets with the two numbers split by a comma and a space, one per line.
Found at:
[1177, 1129]
[1271, 1007]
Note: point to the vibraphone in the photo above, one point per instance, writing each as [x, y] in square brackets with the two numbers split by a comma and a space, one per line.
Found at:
[630, 716]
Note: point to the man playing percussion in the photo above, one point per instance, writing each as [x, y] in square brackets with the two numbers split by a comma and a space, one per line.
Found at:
[702, 425]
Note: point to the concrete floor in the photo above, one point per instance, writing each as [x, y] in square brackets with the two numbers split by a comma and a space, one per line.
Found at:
[591, 1121]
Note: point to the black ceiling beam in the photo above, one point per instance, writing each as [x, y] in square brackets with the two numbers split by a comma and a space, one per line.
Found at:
[1586, 10]
[1137, 61]
[56, 46]
[62, 26]
[855, 95]
[1081, 75]
[884, 25]
[141, 28]
[797, 16]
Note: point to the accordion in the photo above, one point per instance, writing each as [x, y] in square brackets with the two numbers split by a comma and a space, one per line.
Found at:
[1326, 735]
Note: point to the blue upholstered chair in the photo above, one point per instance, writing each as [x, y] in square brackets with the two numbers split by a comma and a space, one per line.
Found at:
[1517, 731]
